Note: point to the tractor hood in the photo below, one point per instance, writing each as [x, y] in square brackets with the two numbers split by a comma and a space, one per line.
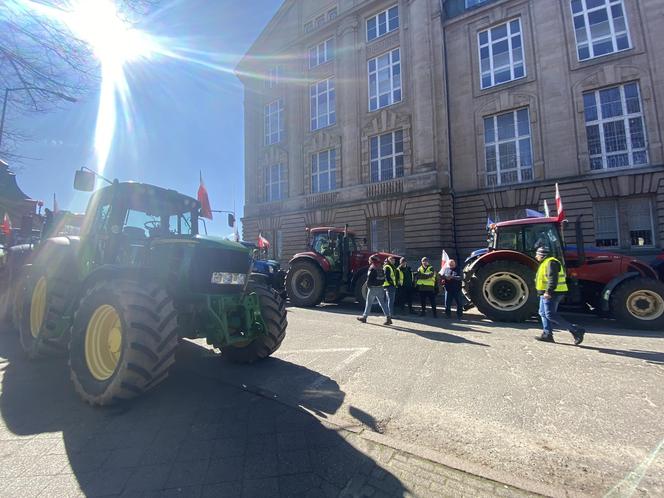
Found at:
[207, 241]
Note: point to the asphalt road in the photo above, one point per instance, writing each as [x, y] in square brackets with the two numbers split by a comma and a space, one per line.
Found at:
[584, 419]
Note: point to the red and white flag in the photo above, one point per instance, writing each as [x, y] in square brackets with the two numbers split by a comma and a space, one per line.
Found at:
[262, 243]
[444, 261]
[6, 227]
[206, 210]
[559, 205]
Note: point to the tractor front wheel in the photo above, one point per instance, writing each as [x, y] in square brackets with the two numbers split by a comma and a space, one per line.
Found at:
[123, 340]
[505, 291]
[273, 311]
[639, 303]
[305, 284]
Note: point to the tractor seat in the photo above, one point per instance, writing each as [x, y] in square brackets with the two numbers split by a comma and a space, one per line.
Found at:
[134, 233]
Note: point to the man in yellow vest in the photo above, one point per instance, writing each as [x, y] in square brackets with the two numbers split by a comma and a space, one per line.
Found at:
[426, 285]
[392, 282]
[551, 285]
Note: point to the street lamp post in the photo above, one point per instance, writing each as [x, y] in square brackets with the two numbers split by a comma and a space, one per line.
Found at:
[45, 90]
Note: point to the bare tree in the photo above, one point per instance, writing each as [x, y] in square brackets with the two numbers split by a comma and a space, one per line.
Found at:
[45, 60]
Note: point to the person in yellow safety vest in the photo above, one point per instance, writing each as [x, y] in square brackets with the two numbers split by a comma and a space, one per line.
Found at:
[392, 281]
[426, 285]
[551, 286]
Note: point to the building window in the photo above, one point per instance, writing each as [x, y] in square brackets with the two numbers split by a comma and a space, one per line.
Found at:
[273, 76]
[387, 156]
[308, 27]
[322, 98]
[600, 27]
[276, 183]
[606, 224]
[274, 122]
[387, 235]
[332, 14]
[474, 3]
[321, 53]
[320, 20]
[615, 128]
[501, 54]
[324, 171]
[385, 80]
[383, 23]
[508, 149]
[640, 222]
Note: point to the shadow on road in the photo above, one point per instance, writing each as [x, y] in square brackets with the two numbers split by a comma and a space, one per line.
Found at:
[435, 335]
[191, 437]
[654, 357]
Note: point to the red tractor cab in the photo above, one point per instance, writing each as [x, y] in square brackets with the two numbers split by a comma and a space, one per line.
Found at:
[500, 280]
[332, 268]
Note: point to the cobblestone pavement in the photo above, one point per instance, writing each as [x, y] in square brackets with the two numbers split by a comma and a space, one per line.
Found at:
[195, 437]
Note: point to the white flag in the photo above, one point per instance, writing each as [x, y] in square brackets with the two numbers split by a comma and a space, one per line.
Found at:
[444, 260]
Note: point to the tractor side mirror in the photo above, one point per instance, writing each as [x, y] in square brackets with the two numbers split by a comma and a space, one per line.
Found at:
[84, 181]
[231, 220]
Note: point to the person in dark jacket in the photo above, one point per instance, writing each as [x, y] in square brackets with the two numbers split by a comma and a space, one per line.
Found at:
[405, 290]
[375, 292]
[551, 285]
[453, 282]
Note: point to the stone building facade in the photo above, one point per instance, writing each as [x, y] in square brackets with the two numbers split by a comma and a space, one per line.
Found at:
[412, 121]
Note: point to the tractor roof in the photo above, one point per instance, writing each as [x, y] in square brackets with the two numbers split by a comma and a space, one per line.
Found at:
[526, 221]
[330, 229]
[151, 195]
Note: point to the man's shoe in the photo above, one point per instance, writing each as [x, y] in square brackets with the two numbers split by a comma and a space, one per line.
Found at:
[388, 321]
[361, 319]
[578, 333]
[545, 338]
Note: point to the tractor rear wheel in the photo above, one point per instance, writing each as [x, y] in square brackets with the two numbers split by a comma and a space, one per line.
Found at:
[123, 340]
[505, 291]
[361, 289]
[42, 302]
[273, 311]
[639, 303]
[305, 284]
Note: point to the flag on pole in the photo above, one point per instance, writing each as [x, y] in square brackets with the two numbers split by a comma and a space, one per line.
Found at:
[262, 243]
[6, 227]
[489, 222]
[444, 261]
[547, 213]
[531, 213]
[206, 210]
[559, 205]
[56, 208]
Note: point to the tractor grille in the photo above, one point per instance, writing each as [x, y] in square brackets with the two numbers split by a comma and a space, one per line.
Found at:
[206, 261]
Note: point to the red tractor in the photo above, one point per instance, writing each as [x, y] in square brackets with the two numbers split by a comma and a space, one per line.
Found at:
[332, 268]
[500, 280]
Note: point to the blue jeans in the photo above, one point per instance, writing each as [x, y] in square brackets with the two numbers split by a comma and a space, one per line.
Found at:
[375, 294]
[548, 311]
[453, 297]
[391, 295]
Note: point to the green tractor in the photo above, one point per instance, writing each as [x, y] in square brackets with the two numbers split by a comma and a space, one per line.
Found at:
[138, 279]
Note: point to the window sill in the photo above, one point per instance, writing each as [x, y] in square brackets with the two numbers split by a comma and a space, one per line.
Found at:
[381, 37]
[386, 106]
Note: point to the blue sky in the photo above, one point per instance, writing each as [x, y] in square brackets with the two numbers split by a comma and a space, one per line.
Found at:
[186, 117]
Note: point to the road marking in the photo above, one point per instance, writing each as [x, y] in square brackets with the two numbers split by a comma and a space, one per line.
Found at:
[330, 350]
[627, 487]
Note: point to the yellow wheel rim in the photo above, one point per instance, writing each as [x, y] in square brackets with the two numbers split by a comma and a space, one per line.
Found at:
[38, 307]
[103, 342]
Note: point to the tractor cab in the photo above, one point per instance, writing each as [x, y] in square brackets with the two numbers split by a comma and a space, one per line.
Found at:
[526, 236]
[333, 245]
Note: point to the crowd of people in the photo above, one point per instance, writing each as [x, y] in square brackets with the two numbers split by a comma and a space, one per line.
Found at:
[393, 285]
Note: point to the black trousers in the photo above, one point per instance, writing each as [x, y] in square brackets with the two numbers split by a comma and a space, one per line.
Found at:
[428, 295]
[452, 297]
[405, 297]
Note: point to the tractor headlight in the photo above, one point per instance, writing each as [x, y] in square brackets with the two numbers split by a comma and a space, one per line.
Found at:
[224, 278]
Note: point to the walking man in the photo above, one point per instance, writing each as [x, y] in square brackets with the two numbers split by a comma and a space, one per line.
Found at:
[453, 290]
[551, 285]
[426, 285]
[391, 283]
[405, 290]
[375, 292]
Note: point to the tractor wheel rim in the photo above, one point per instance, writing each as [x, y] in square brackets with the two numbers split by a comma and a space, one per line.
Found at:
[38, 307]
[505, 291]
[103, 342]
[645, 305]
[304, 284]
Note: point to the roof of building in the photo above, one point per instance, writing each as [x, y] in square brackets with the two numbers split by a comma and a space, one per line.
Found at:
[9, 189]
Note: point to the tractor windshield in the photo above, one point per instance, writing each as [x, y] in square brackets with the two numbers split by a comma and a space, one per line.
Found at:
[527, 238]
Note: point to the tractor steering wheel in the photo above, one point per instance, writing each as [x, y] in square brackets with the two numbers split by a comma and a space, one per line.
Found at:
[153, 227]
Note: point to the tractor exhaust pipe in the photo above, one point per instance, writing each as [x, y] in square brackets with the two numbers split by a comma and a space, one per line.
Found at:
[580, 247]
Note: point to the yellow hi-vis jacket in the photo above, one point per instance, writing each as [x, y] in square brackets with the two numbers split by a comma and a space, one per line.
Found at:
[426, 278]
[392, 276]
[542, 281]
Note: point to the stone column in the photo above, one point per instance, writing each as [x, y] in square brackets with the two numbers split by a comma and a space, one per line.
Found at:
[348, 85]
[419, 61]
[294, 100]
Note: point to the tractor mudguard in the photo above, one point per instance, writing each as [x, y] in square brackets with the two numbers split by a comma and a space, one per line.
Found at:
[609, 288]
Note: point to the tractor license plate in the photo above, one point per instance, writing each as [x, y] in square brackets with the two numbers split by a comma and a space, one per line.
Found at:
[225, 278]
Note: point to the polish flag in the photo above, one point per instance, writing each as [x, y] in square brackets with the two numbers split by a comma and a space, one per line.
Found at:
[262, 243]
[6, 226]
[206, 210]
[444, 260]
[559, 205]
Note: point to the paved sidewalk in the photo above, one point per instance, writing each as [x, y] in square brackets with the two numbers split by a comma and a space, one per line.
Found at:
[194, 437]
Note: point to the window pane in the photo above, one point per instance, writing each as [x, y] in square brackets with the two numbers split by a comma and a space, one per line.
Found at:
[505, 126]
